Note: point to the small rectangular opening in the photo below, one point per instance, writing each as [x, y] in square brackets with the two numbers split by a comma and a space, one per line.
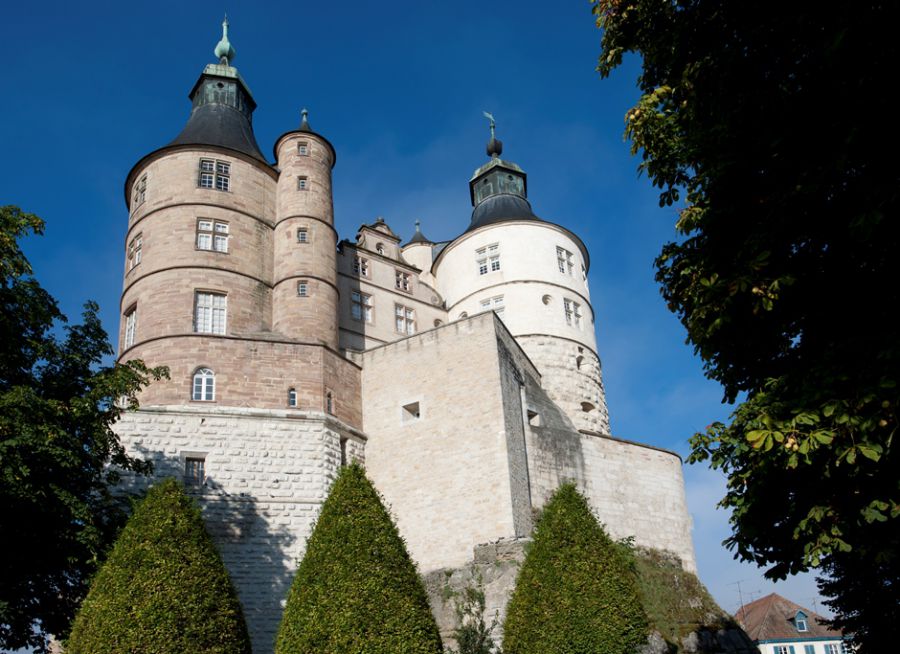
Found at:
[411, 412]
[194, 471]
[534, 418]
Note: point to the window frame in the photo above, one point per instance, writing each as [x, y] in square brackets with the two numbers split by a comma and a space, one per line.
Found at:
[495, 303]
[130, 326]
[139, 192]
[194, 471]
[302, 183]
[361, 307]
[217, 235]
[303, 148]
[292, 397]
[487, 259]
[565, 262]
[404, 319]
[209, 325]
[214, 174]
[360, 266]
[303, 235]
[402, 280]
[135, 251]
[207, 378]
[302, 288]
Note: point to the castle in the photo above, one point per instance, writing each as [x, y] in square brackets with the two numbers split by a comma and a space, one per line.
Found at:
[463, 374]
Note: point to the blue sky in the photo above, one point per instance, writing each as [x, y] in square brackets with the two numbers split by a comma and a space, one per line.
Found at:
[398, 87]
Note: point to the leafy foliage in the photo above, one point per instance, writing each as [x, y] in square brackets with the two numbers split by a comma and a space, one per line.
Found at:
[576, 591]
[56, 443]
[862, 585]
[785, 275]
[472, 634]
[356, 590]
[677, 604]
[164, 588]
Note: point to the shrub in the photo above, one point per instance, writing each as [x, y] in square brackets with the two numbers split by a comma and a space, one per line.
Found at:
[163, 589]
[576, 591]
[356, 589]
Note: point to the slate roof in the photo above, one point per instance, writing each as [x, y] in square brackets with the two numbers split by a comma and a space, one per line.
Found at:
[772, 618]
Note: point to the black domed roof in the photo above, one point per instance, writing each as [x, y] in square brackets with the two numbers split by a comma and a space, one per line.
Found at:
[220, 125]
[500, 208]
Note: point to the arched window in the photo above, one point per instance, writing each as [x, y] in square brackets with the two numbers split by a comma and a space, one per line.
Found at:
[292, 397]
[380, 249]
[578, 361]
[204, 385]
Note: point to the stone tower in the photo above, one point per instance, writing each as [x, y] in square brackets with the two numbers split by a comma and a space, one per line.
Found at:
[533, 273]
[230, 282]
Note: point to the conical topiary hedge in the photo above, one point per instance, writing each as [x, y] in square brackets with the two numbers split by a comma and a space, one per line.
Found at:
[163, 589]
[576, 592]
[356, 590]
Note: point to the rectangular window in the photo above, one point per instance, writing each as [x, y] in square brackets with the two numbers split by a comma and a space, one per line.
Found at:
[565, 261]
[303, 235]
[134, 251]
[130, 324]
[303, 288]
[212, 235]
[573, 313]
[401, 279]
[303, 149]
[214, 174]
[194, 471]
[209, 313]
[292, 397]
[404, 319]
[140, 193]
[809, 649]
[361, 306]
[360, 266]
[832, 648]
[302, 183]
[493, 303]
[488, 258]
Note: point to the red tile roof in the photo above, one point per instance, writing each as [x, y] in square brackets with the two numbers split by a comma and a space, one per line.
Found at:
[772, 618]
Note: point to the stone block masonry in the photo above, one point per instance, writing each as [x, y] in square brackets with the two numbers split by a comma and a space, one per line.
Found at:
[266, 474]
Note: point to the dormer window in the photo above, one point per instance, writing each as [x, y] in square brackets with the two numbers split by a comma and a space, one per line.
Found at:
[800, 622]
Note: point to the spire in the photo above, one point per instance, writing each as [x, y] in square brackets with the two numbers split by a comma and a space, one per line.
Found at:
[419, 237]
[494, 147]
[304, 121]
[224, 50]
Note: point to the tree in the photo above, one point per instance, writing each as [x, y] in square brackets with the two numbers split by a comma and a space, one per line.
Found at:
[576, 591]
[356, 589]
[163, 589]
[769, 123]
[57, 408]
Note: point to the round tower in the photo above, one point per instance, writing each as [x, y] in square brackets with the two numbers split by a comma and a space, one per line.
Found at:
[305, 292]
[533, 274]
[198, 272]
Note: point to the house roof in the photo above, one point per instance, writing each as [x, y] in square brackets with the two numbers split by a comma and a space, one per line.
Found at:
[772, 618]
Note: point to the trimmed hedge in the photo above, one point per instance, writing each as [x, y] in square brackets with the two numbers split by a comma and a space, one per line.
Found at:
[163, 589]
[356, 590]
[576, 591]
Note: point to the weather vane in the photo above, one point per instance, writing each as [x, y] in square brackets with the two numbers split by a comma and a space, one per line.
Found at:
[490, 117]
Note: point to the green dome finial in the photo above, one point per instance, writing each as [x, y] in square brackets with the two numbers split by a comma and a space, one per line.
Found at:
[224, 50]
